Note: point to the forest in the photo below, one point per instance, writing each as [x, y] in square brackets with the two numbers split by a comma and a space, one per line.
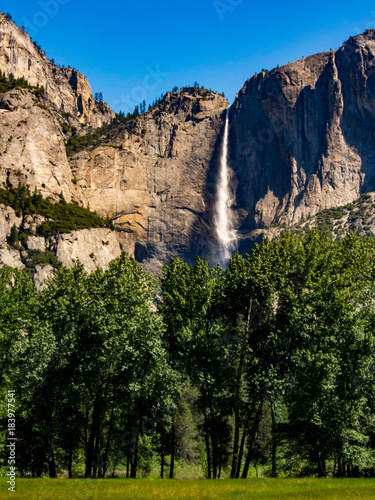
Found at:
[265, 366]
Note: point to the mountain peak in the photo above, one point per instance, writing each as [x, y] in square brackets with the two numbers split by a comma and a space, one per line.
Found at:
[67, 88]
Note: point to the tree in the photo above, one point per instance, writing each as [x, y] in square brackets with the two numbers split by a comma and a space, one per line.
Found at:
[326, 320]
[194, 341]
[250, 292]
[14, 235]
[18, 306]
[108, 371]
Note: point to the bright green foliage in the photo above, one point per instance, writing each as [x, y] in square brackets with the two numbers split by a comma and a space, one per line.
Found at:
[18, 318]
[326, 318]
[290, 324]
[269, 363]
[18, 303]
[105, 372]
[190, 307]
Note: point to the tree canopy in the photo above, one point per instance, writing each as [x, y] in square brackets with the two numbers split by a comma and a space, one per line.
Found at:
[268, 363]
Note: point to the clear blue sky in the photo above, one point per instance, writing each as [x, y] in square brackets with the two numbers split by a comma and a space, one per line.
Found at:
[130, 50]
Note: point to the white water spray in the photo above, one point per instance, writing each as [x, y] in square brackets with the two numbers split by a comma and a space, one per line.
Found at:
[225, 233]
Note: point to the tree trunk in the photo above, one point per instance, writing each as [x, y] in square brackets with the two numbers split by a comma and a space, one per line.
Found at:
[91, 440]
[39, 470]
[236, 433]
[274, 447]
[240, 455]
[70, 460]
[321, 466]
[134, 465]
[355, 471]
[208, 452]
[162, 463]
[106, 451]
[214, 445]
[52, 465]
[252, 441]
[339, 467]
[372, 444]
[96, 469]
[171, 470]
[237, 455]
[128, 465]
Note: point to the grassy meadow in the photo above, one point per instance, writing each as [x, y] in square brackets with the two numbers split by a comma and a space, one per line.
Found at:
[143, 489]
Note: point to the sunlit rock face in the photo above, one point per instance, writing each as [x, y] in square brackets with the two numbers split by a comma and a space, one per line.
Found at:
[66, 88]
[302, 136]
[298, 139]
[156, 179]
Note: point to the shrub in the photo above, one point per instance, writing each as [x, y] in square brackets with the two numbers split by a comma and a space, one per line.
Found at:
[38, 258]
[62, 217]
[10, 83]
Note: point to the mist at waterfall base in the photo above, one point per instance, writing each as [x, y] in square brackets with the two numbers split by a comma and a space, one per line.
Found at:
[224, 231]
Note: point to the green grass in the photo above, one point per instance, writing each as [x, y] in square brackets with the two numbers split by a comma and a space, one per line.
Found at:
[143, 489]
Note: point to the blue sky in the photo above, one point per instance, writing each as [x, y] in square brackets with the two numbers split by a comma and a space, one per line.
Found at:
[135, 50]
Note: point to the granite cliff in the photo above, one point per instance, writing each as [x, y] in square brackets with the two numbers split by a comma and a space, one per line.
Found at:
[302, 136]
[67, 90]
[152, 177]
[149, 175]
[301, 140]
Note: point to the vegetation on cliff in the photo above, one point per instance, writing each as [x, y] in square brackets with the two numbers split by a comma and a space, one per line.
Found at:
[357, 217]
[107, 132]
[10, 83]
[61, 217]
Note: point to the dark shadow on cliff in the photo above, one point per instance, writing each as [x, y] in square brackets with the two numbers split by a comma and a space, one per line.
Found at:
[257, 153]
[203, 243]
[269, 133]
[358, 118]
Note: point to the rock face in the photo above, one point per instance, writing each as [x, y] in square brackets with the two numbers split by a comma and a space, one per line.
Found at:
[94, 247]
[66, 88]
[153, 179]
[8, 255]
[302, 136]
[301, 139]
[32, 148]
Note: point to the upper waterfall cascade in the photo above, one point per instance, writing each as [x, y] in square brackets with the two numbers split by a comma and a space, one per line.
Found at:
[225, 234]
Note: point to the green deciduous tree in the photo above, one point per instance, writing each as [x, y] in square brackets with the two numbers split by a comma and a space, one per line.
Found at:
[107, 372]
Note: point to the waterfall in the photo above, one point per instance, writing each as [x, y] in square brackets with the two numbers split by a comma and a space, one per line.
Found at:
[225, 233]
